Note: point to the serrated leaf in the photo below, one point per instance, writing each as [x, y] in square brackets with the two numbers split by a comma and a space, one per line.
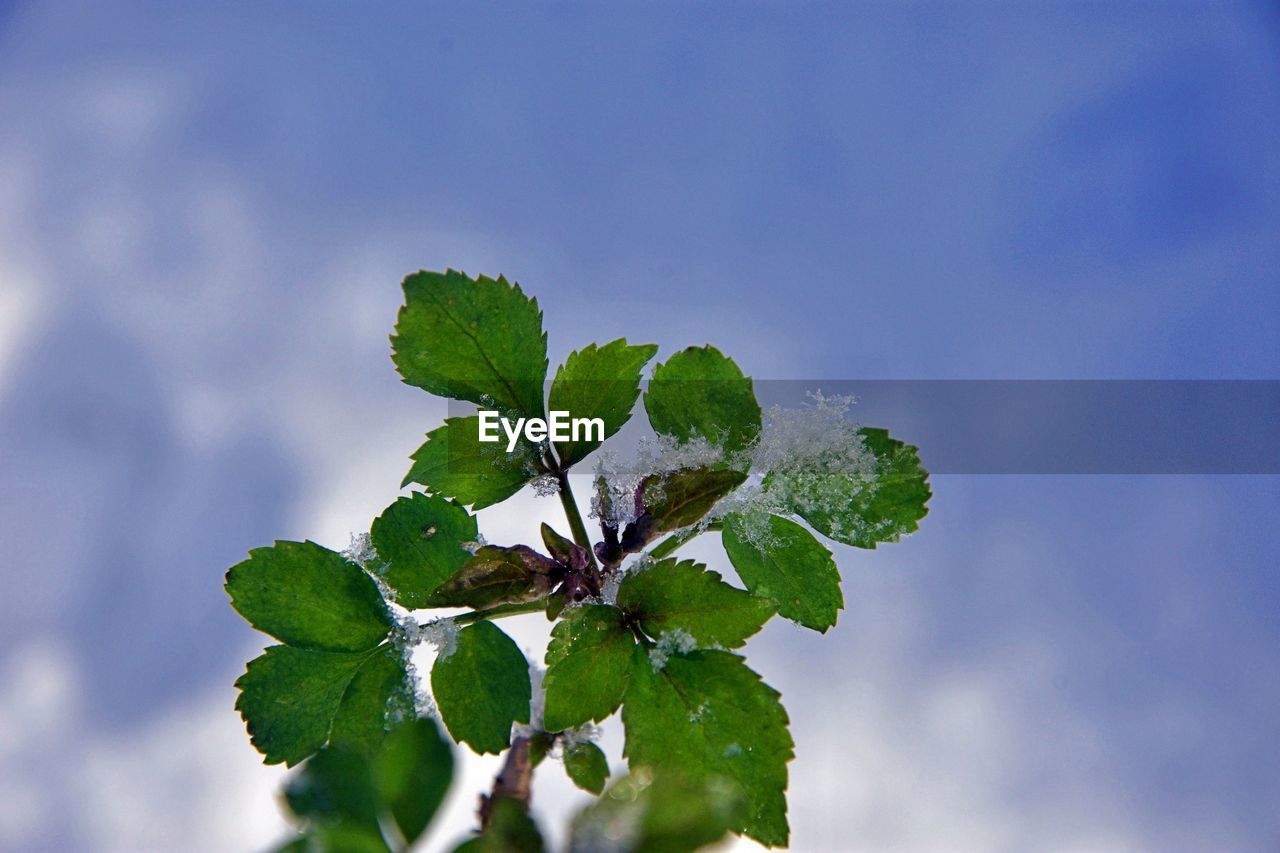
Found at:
[412, 774]
[420, 539]
[598, 382]
[677, 499]
[700, 392]
[288, 698]
[497, 575]
[472, 339]
[705, 714]
[671, 596]
[863, 513]
[588, 665]
[657, 812]
[482, 688]
[379, 695]
[785, 563]
[454, 463]
[310, 597]
[586, 766]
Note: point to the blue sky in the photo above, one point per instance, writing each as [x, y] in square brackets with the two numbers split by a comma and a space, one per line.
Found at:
[205, 212]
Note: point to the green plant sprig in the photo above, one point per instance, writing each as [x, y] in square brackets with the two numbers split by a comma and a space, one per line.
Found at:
[707, 741]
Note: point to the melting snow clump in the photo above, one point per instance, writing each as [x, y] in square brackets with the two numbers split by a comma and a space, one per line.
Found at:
[585, 733]
[361, 551]
[441, 633]
[660, 456]
[546, 485]
[537, 701]
[810, 459]
[675, 642]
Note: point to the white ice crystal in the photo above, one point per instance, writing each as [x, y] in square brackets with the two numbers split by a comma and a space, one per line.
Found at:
[442, 634]
[546, 485]
[406, 633]
[677, 641]
[585, 733]
[537, 702]
[538, 696]
[810, 459]
[361, 551]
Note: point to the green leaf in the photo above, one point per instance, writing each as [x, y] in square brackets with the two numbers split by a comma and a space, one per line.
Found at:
[598, 382]
[540, 744]
[344, 797]
[412, 774]
[670, 596]
[346, 839]
[288, 698]
[479, 340]
[421, 538]
[310, 597]
[861, 513]
[657, 812]
[379, 695]
[496, 575]
[586, 766]
[588, 665]
[563, 550]
[335, 791]
[699, 392]
[677, 499]
[454, 463]
[482, 688]
[786, 564]
[705, 714]
[680, 498]
[510, 830]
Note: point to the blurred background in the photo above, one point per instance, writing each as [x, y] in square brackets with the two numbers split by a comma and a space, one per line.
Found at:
[205, 213]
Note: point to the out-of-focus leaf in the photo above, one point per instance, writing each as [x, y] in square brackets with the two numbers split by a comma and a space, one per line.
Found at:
[586, 766]
[658, 812]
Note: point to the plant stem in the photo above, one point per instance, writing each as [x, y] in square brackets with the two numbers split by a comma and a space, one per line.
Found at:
[675, 540]
[513, 782]
[576, 527]
[499, 611]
